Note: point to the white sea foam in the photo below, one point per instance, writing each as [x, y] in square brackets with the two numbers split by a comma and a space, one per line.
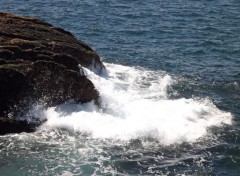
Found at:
[135, 104]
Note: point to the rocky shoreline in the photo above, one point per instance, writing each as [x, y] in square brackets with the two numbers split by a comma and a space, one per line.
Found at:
[40, 62]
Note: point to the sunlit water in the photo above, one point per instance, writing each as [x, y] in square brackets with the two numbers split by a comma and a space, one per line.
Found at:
[170, 99]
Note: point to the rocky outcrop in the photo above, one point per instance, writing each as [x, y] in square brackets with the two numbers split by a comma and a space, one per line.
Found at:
[40, 62]
[33, 39]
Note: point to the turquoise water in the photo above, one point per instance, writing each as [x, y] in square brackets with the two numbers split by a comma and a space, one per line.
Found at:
[171, 102]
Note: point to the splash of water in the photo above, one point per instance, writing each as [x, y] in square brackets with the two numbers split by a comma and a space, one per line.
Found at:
[135, 104]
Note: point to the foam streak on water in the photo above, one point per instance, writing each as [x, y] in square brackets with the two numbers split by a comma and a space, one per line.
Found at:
[135, 104]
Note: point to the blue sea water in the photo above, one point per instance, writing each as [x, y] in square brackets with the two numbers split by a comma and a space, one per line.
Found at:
[172, 102]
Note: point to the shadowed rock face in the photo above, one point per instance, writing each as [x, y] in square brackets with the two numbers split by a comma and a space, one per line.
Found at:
[39, 62]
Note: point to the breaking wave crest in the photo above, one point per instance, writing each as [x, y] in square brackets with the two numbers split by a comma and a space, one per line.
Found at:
[135, 105]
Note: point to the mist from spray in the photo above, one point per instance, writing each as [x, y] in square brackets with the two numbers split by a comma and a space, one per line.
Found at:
[135, 105]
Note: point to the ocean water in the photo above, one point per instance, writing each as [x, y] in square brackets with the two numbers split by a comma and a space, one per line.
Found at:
[170, 101]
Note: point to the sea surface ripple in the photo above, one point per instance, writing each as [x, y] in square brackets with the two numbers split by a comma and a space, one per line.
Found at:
[175, 65]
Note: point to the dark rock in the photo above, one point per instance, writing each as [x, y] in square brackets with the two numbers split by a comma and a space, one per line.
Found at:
[16, 126]
[25, 38]
[56, 84]
[14, 86]
[2, 61]
[39, 63]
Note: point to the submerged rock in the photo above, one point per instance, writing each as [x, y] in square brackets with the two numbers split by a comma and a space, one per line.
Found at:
[40, 62]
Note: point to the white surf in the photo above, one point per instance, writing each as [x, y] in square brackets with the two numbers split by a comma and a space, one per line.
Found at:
[135, 105]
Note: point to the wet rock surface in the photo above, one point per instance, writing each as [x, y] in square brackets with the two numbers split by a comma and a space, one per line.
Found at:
[40, 62]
